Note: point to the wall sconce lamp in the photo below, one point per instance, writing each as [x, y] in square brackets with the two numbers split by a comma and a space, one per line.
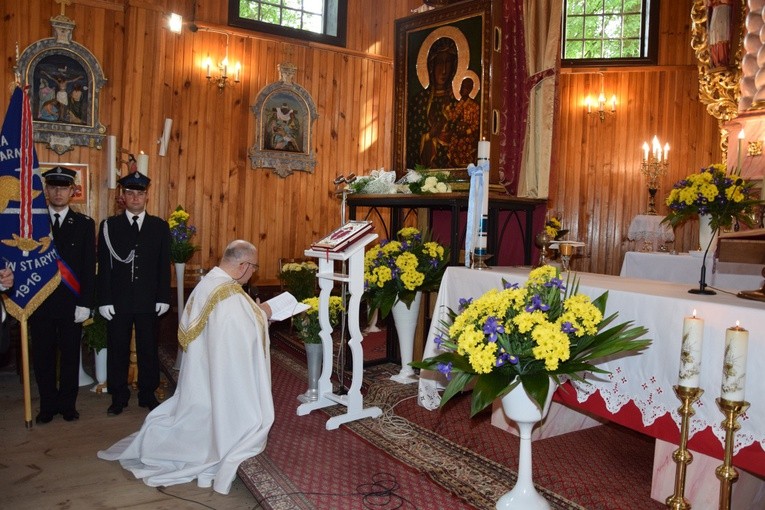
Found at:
[591, 106]
[223, 77]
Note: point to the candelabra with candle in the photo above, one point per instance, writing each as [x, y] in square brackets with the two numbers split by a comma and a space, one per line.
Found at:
[683, 456]
[732, 405]
[654, 165]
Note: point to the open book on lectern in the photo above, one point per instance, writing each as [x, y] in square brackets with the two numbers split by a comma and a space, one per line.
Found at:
[340, 238]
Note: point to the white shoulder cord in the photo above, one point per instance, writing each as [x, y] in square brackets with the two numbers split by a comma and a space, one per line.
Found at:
[126, 260]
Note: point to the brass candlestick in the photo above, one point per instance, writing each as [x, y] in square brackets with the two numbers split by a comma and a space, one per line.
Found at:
[682, 456]
[726, 472]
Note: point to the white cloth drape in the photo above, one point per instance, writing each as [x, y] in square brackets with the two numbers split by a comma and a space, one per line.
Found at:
[222, 410]
[542, 30]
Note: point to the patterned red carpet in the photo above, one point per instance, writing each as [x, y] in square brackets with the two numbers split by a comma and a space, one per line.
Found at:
[429, 460]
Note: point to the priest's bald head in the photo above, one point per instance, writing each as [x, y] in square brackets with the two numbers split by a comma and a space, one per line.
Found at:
[240, 260]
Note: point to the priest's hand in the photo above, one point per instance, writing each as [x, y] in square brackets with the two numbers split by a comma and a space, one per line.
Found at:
[266, 308]
[81, 313]
[161, 308]
[106, 311]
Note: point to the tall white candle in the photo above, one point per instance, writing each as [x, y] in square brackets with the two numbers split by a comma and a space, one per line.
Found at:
[645, 151]
[690, 352]
[143, 163]
[734, 363]
[111, 162]
[484, 149]
[740, 143]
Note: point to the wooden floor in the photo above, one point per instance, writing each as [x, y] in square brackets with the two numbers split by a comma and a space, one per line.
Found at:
[55, 465]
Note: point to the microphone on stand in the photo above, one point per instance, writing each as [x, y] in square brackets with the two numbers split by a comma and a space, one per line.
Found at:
[703, 277]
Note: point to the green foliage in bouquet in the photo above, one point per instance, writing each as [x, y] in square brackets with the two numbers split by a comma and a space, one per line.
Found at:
[299, 278]
[94, 330]
[395, 270]
[307, 323]
[526, 335]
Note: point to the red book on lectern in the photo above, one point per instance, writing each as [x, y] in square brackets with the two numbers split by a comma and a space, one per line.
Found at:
[342, 237]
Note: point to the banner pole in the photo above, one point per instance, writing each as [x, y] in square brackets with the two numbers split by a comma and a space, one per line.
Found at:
[25, 373]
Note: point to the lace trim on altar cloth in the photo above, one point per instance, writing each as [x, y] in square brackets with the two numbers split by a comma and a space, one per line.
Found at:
[654, 404]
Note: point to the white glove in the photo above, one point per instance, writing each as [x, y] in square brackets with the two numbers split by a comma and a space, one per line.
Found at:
[106, 311]
[81, 313]
[161, 308]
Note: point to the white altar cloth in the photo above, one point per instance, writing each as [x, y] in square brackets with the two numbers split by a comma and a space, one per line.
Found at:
[646, 379]
[649, 229]
[685, 268]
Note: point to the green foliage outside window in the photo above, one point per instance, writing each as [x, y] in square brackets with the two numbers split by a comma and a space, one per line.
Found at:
[298, 14]
[604, 29]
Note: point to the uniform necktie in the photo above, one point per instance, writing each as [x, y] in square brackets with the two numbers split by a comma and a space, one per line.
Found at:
[56, 224]
[135, 224]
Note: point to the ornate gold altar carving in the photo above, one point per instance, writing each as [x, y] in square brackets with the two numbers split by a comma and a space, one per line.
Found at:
[718, 86]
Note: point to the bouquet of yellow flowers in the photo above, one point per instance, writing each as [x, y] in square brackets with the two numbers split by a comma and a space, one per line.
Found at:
[307, 323]
[553, 227]
[181, 248]
[711, 192]
[299, 278]
[395, 270]
[525, 335]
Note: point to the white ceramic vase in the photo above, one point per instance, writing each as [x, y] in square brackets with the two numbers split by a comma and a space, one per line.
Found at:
[100, 356]
[180, 269]
[406, 324]
[707, 236]
[520, 408]
[314, 356]
[85, 379]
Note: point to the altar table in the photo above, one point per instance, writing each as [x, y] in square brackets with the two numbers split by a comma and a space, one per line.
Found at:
[638, 391]
[685, 268]
[521, 209]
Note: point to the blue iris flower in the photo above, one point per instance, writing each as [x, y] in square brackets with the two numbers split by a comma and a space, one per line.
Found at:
[446, 369]
[439, 340]
[464, 303]
[506, 358]
[537, 304]
[508, 285]
[491, 327]
[567, 327]
[555, 282]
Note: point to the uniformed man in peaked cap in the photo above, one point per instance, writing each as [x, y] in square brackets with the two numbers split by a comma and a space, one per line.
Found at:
[56, 325]
[133, 290]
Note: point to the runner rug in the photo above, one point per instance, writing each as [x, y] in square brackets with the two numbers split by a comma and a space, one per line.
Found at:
[386, 463]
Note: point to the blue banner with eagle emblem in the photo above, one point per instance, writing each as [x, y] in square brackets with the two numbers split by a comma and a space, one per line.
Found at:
[25, 241]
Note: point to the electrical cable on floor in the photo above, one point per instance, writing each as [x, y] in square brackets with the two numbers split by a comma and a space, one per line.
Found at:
[163, 491]
[395, 426]
[379, 494]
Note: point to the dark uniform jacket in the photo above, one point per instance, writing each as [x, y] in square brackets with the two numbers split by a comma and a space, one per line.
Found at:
[76, 245]
[134, 287]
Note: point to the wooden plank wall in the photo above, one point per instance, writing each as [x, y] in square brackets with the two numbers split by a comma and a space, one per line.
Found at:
[597, 182]
[154, 74]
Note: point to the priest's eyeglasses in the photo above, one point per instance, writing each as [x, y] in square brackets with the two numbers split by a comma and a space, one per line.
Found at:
[254, 266]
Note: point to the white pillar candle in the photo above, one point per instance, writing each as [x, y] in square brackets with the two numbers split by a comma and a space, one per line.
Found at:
[111, 163]
[484, 148]
[734, 363]
[690, 352]
[143, 163]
